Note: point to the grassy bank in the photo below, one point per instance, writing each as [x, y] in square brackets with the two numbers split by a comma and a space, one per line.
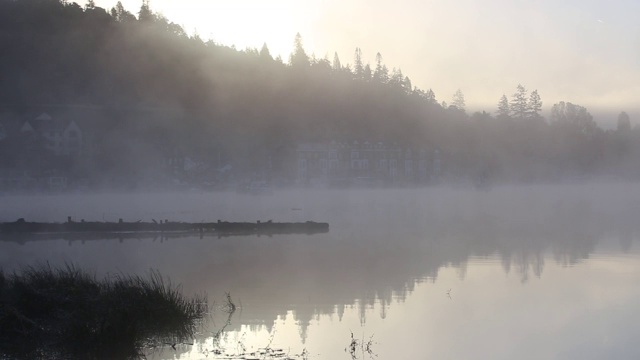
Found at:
[67, 312]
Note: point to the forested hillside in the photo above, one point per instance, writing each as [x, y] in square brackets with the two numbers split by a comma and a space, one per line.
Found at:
[154, 92]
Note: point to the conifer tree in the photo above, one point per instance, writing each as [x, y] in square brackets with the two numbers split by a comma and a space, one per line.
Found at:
[503, 107]
[458, 100]
[397, 78]
[519, 105]
[366, 75]
[299, 57]
[265, 53]
[535, 105]
[358, 68]
[121, 14]
[145, 14]
[381, 73]
[406, 84]
[430, 96]
[336, 66]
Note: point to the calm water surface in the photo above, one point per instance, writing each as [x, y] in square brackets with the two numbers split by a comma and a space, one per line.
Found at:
[541, 272]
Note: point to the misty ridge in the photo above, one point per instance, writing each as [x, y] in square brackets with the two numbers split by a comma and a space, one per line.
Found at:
[98, 98]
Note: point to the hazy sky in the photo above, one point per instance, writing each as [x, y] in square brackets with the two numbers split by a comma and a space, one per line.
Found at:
[583, 51]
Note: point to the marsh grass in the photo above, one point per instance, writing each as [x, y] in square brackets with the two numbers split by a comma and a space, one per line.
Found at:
[67, 312]
[360, 347]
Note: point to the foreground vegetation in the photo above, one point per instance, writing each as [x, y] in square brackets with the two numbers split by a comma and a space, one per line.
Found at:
[68, 313]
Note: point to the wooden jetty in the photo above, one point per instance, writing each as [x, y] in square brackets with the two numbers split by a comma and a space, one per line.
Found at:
[121, 227]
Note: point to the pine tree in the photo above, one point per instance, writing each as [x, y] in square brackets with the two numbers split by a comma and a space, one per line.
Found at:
[358, 68]
[367, 73]
[299, 57]
[519, 105]
[406, 85]
[503, 107]
[397, 78]
[535, 105]
[458, 100]
[430, 96]
[121, 14]
[265, 53]
[336, 66]
[324, 63]
[145, 13]
[381, 73]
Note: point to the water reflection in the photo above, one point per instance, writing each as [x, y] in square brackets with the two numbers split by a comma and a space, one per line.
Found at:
[528, 266]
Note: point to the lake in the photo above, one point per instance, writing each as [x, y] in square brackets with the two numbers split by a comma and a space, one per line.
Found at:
[526, 272]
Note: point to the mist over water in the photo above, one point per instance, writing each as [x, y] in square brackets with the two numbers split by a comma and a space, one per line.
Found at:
[452, 268]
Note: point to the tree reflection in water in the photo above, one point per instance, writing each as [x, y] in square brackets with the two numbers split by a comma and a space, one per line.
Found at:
[225, 348]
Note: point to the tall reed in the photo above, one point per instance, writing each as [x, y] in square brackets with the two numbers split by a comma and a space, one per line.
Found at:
[69, 312]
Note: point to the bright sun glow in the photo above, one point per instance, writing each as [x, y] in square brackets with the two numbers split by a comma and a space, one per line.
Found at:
[243, 23]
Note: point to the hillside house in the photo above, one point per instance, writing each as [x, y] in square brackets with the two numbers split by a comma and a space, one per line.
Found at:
[60, 137]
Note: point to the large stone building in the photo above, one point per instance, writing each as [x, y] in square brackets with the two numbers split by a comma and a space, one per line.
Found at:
[364, 164]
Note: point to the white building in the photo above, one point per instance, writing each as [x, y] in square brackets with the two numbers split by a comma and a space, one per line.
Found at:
[61, 137]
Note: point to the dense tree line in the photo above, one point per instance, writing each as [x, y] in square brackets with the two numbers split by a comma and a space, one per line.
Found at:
[161, 92]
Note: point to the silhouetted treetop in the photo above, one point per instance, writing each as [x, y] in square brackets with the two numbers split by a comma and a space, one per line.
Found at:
[264, 52]
[458, 100]
[624, 122]
[504, 109]
[299, 57]
[575, 116]
[519, 106]
[121, 14]
[535, 105]
[336, 65]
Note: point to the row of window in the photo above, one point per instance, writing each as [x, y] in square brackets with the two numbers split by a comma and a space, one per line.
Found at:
[355, 155]
[58, 143]
[361, 164]
[51, 134]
